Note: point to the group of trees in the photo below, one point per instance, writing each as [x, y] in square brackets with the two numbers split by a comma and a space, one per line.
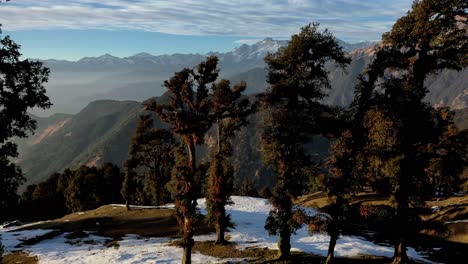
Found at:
[395, 142]
[197, 102]
[72, 191]
[390, 139]
[148, 168]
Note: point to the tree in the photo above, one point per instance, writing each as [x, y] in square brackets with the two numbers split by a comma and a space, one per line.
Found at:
[230, 114]
[339, 185]
[129, 184]
[298, 82]
[449, 155]
[398, 127]
[91, 187]
[21, 89]
[188, 116]
[150, 154]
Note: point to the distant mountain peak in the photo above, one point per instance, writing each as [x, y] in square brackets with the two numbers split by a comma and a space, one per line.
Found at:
[258, 50]
[142, 55]
[103, 59]
[107, 56]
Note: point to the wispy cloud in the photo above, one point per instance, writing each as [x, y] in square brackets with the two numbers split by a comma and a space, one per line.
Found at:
[348, 19]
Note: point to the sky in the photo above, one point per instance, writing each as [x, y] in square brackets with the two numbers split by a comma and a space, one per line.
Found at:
[72, 29]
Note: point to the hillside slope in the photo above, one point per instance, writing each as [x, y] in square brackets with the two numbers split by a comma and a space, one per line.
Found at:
[100, 132]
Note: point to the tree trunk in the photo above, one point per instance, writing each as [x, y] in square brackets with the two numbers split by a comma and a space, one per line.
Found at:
[219, 135]
[220, 236]
[191, 153]
[187, 227]
[400, 256]
[284, 245]
[331, 249]
[127, 204]
[187, 255]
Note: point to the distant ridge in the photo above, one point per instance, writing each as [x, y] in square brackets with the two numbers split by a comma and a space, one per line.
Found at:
[75, 84]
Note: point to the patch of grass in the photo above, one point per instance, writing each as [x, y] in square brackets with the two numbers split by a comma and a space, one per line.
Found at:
[116, 221]
[320, 200]
[229, 250]
[265, 255]
[19, 257]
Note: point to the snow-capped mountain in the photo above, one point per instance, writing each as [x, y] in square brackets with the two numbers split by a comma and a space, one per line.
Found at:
[257, 51]
[105, 59]
[74, 84]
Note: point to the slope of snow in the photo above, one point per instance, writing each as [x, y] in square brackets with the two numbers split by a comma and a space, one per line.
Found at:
[248, 213]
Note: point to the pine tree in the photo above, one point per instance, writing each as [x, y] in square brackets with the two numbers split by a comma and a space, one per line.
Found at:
[230, 113]
[339, 186]
[129, 184]
[188, 116]
[91, 187]
[150, 158]
[398, 127]
[21, 88]
[298, 81]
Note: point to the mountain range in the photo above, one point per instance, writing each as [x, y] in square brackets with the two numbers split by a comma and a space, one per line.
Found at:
[102, 96]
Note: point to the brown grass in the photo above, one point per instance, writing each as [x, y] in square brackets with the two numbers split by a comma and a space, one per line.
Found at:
[320, 200]
[116, 221]
[19, 257]
[450, 209]
[265, 255]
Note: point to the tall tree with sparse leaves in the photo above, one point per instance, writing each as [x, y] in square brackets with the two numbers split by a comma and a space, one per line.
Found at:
[292, 105]
[229, 112]
[188, 116]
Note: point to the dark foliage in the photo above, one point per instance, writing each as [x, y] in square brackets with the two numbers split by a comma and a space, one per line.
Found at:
[21, 88]
[149, 164]
[82, 189]
[402, 138]
[293, 109]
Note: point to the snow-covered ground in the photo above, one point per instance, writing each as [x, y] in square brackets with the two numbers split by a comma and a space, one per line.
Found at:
[248, 214]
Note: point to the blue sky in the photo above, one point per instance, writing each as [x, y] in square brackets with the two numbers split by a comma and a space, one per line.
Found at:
[71, 29]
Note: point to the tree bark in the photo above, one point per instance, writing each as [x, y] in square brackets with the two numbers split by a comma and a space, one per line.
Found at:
[331, 249]
[191, 153]
[220, 236]
[187, 256]
[219, 135]
[188, 227]
[284, 245]
[400, 255]
[127, 204]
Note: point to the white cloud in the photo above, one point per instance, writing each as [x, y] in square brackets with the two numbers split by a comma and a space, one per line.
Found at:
[349, 19]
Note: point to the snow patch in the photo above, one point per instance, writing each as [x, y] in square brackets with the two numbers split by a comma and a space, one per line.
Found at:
[248, 214]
